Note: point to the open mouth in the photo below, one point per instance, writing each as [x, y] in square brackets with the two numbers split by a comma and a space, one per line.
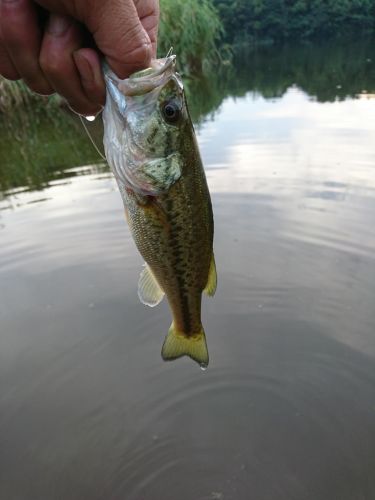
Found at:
[144, 81]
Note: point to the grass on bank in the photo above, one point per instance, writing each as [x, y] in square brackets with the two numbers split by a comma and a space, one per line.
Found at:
[193, 28]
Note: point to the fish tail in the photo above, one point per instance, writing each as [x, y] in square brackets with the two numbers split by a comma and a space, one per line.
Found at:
[177, 344]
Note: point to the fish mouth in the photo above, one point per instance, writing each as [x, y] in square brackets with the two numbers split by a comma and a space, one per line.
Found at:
[144, 81]
[136, 95]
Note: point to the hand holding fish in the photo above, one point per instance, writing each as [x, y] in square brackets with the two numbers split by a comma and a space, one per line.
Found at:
[54, 45]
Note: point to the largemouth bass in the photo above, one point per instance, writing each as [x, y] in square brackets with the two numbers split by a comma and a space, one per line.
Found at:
[151, 147]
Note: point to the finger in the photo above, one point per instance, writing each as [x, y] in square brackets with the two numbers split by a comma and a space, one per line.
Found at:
[149, 13]
[62, 38]
[88, 65]
[117, 29]
[7, 68]
[119, 35]
[22, 38]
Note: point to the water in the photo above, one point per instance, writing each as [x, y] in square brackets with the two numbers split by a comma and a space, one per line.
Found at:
[286, 409]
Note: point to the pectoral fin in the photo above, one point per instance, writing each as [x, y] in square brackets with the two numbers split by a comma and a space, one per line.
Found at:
[149, 291]
[211, 285]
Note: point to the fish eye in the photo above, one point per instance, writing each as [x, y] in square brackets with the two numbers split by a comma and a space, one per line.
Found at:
[171, 111]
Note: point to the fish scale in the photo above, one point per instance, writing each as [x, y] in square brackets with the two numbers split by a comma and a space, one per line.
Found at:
[158, 166]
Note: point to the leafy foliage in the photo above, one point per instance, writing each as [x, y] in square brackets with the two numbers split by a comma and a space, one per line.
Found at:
[17, 95]
[277, 20]
[193, 28]
[36, 145]
[326, 73]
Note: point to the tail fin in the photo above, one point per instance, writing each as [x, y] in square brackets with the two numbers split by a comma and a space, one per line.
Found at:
[177, 344]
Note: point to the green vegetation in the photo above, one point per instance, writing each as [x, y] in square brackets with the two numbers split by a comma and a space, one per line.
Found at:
[193, 29]
[257, 21]
[36, 147]
[16, 95]
[328, 73]
[13, 94]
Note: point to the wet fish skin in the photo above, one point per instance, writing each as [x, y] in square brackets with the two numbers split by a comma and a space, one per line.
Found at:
[169, 211]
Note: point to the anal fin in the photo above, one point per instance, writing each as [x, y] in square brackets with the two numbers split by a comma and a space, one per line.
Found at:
[149, 291]
[211, 285]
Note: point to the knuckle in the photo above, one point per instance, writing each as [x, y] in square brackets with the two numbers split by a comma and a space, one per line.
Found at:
[139, 55]
[139, 46]
[134, 32]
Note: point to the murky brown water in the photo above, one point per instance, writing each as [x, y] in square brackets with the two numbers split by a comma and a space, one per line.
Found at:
[286, 410]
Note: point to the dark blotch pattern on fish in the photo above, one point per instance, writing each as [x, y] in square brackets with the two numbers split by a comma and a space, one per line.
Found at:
[174, 233]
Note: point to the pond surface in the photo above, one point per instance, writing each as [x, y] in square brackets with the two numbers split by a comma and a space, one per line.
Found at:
[286, 410]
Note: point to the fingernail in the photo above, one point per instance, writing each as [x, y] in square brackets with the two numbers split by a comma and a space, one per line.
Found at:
[58, 25]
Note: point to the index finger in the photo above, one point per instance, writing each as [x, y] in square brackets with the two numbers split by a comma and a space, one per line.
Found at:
[149, 14]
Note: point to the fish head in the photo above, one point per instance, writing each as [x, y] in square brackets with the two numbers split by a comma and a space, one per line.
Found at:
[144, 121]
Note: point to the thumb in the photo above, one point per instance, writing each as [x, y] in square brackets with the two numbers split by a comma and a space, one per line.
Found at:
[119, 35]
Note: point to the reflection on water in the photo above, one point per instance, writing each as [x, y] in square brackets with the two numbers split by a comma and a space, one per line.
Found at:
[36, 147]
[286, 410]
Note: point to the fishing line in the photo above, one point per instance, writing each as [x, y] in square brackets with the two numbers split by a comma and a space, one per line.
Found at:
[91, 139]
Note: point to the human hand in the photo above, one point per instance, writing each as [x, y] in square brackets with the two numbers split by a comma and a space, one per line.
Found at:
[62, 54]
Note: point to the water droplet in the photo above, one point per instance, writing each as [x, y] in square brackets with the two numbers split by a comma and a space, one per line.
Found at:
[203, 366]
[90, 118]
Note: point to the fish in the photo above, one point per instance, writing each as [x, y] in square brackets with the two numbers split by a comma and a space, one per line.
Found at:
[151, 147]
